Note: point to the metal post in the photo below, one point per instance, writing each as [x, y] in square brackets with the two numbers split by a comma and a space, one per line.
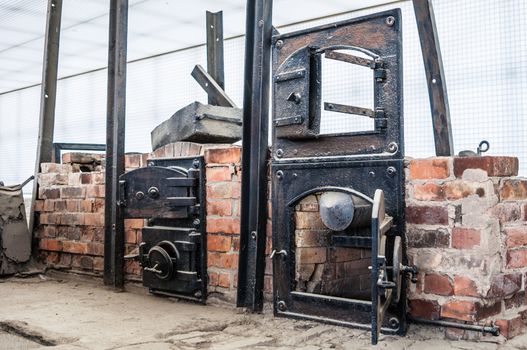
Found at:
[48, 94]
[115, 132]
[435, 77]
[215, 49]
[254, 154]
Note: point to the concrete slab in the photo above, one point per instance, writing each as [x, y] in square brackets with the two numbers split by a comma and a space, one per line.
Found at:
[83, 314]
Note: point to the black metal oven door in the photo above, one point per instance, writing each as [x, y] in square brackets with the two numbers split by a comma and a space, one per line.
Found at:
[157, 192]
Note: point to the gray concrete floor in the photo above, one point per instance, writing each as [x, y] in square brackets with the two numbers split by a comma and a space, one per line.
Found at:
[82, 314]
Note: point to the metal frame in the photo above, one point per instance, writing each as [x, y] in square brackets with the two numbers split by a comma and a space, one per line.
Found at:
[435, 77]
[253, 218]
[61, 146]
[115, 136]
[48, 94]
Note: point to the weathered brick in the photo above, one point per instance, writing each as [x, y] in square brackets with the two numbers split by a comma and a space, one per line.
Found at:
[465, 238]
[49, 218]
[352, 268]
[48, 168]
[308, 221]
[343, 254]
[95, 248]
[224, 280]
[438, 284]
[86, 262]
[222, 260]
[433, 168]
[98, 178]
[48, 193]
[38, 205]
[74, 179]
[81, 158]
[133, 160]
[52, 179]
[428, 309]
[223, 190]
[71, 219]
[132, 268]
[311, 255]
[510, 327]
[223, 225]
[86, 205]
[517, 300]
[95, 191]
[134, 223]
[504, 285]
[73, 205]
[236, 245]
[506, 212]
[311, 238]
[130, 236]
[226, 155]
[458, 189]
[219, 173]
[428, 192]
[74, 247]
[431, 215]
[464, 286]
[513, 189]
[72, 192]
[50, 244]
[98, 263]
[93, 219]
[494, 166]
[213, 279]
[85, 178]
[49, 205]
[421, 238]
[221, 208]
[515, 236]
[517, 258]
[471, 311]
[61, 205]
[216, 243]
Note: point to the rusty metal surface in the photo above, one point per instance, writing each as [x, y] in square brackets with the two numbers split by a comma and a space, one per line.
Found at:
[435, 77]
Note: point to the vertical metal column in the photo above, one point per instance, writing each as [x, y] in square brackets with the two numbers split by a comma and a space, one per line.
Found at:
[435, 77]
[215, 49]
[115, 132]
[48, 94]
[254, 154]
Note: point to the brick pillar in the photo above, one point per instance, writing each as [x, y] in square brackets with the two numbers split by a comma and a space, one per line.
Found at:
[466, 229]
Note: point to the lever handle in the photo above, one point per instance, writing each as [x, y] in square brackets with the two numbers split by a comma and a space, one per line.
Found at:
[153, 269]
[281, 252]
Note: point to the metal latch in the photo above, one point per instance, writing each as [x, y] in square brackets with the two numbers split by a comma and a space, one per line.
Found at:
[281, 252]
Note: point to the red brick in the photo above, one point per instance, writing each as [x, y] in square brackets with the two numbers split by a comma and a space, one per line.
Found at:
[421, 238]
[228, 155]
[224, 280]
[428, 192]
[61, 205]
[134, 223]
[86, 178]
[86, 262]
[73, 205]
[51, 258]
[221, 208]
[223, 225]
[93, 219]
[236, 245]
[49, 218]
[94, 248]
[438, 284]
[38, 205]
[516, 236]
[513, 189]
[428, 309]
[48, 231]
[464, 286]
[217, 243]
[222, 260]
[517, 258]
[130, 236]
[86, 205]
[75, 247]
[459, 310]
[494, 166]
[433, 168]
[72, 192]
[506, 212]
[49, 205]
[504, 285]
[71, 219]
[98, 205]
[81, 158]
[133, 160]
[50, 244]
[98, 178]
[48, 167]
[219, 173]
[213, 279]
[510, 327]
[458, 189]
[430, 215]
[95, 191]
[48, 193]
[223, 190]
[465, 238]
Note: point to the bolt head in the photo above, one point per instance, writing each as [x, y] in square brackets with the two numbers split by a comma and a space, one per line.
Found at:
[390, 21]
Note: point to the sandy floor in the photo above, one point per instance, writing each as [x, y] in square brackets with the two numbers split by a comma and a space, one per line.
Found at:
[82, 314]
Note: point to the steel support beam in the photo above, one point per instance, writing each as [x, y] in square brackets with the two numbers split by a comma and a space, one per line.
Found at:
[435, 77]
[48, 94]
[215, 65]
[115, 132]
[254, 154]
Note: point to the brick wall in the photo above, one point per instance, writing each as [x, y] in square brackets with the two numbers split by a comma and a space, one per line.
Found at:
[467, 233]
[321, 268]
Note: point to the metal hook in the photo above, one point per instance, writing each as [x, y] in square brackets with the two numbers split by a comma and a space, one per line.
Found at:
[481, 145]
